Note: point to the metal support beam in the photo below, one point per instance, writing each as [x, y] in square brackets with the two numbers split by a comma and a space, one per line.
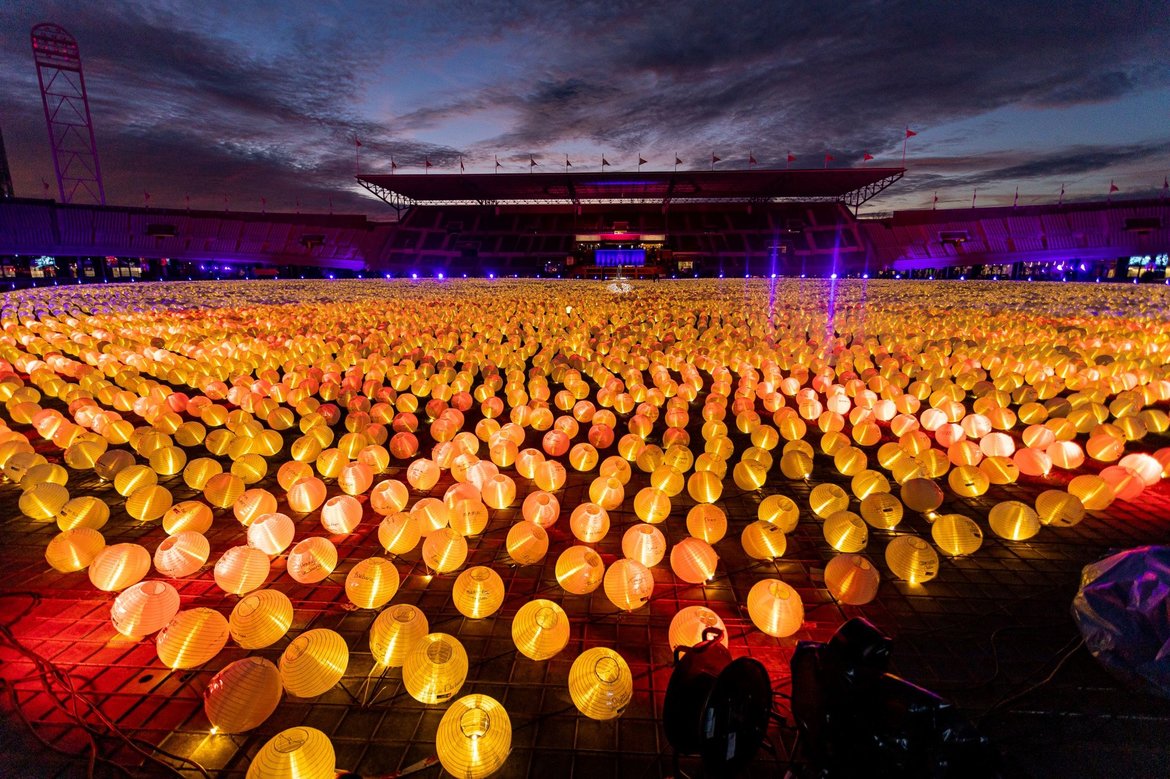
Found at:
[869, 191]
[388, 196]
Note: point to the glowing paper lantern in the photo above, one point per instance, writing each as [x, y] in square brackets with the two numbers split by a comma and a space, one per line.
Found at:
[956, 535]
[312, 559]
[395, 632]
[372, 583]
[968, 481]
[499, 491]
[1014, 520]
[542, 508]
[781, 511]
[435, 668]
[306, 495]
[707, 522]
[252, 504]
[182, 554]
[474, 737]
[693, 560]
[478, 592]
[43, 501]
[922, 495]
[881, 510]
[398, 533]
[271, 533]
[241, 569]
[1059, 509]
[189, 515]
[119, 566]
[144, 608]
[192, 638]
[852, 579]
[628, 584]
[389, 496]
[600, 683]
[912, 559]
[430, 514]
[846, 532]
[644, 543]
[527, 543]
[687, 626]
[85, 511]
[444, 550]
[74, 549]
[314, 661]
[550, 475]
[652, 505]
[1094, 492]
[763, 540]
[242, 695]
[579, 570]
[423, 474]
[341, 514]
[827, 499]
[222, 490]
[540, 629]
[589, 522]
[260, 619]
[296, 753]
[775, 608]
[866, 483]
[704, 487]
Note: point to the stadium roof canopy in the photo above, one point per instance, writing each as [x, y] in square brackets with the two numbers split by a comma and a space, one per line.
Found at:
[852, 186]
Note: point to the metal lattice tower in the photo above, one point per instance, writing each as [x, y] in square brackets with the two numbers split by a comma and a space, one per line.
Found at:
[5, 173]
[75, 157]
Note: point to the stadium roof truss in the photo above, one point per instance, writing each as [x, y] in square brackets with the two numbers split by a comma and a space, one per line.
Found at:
[851, 186]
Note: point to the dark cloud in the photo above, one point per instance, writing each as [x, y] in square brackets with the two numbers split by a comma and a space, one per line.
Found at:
[266, 100]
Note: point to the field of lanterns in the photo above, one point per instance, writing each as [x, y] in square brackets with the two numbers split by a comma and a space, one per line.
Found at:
[289, 528]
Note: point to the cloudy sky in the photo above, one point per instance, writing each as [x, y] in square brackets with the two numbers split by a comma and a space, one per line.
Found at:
[245, 99]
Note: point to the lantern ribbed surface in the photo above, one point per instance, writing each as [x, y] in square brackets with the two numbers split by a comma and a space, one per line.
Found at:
[707, 522]
[846, 532]
[579, 570]
[912, 559]
[687, 626]
[827, 499]
[527, 543]
[43, 501]
[628, 584]
[852, 579]
[956, 535]
[881, 510]
[118, 566]
[84, 511]
[644, 543]
[144, 608]
[693, 560]
[313, 662]
[300, 752]
[191, 515]
[371, 583]
[775, 608]
[1059, 508]
[600, 683]
[182, 554]
[781, 511]
[1014, 520]
[241, 569]
[73, 550]
[271, 533]
[763, 540]
[398, 532]
[395, 632]
[541, 508]
[478, 592]
[474, 737]
[312, 560]
[341, 514]
[589, 522]
[192, 638]
[444, 550]
[435, 668]
[540, 629]
[260, 619]
[242, 695]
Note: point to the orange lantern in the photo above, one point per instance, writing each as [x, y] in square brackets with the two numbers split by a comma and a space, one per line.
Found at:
[775, 608]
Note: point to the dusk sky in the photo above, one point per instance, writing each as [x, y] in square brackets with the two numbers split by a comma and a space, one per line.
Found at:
[250, 100]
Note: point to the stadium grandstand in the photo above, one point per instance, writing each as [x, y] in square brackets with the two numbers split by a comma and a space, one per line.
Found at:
[594, 225]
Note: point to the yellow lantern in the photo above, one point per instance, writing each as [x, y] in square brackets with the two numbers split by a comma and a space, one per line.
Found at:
[866, 483]
[956, 535]
[600, 683]
[846, 532]
[852, 579]
[222, 490]
[688, 625]
[371, 583]
[119, 566]
[398, 533]
[198, 472]
[242, 695]
[579, 570]
[85, 511]
[395, 632]
[260, 619]
[252, 504]
[474, 737]
[540, 629]
[144, 608]
[707, 522]
[241, 569]
[550, 475]
[444, 550]
[827, 499]
[44, 501]
[296, 753]
[763, 540]
[704, 487]
[192, 638]
[478, 592]
[435, 668]
[189, 515]
[693, 560]
[182, 554]
[644, 543]
[1094, 492]
[775, 608]
[527, 543]
[422, 474]
[780, 510]
[1014, 520]
[311, 560]
[314, 662]
[74, 549]
[1059, 509]
[912, 559]
[881, 510]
